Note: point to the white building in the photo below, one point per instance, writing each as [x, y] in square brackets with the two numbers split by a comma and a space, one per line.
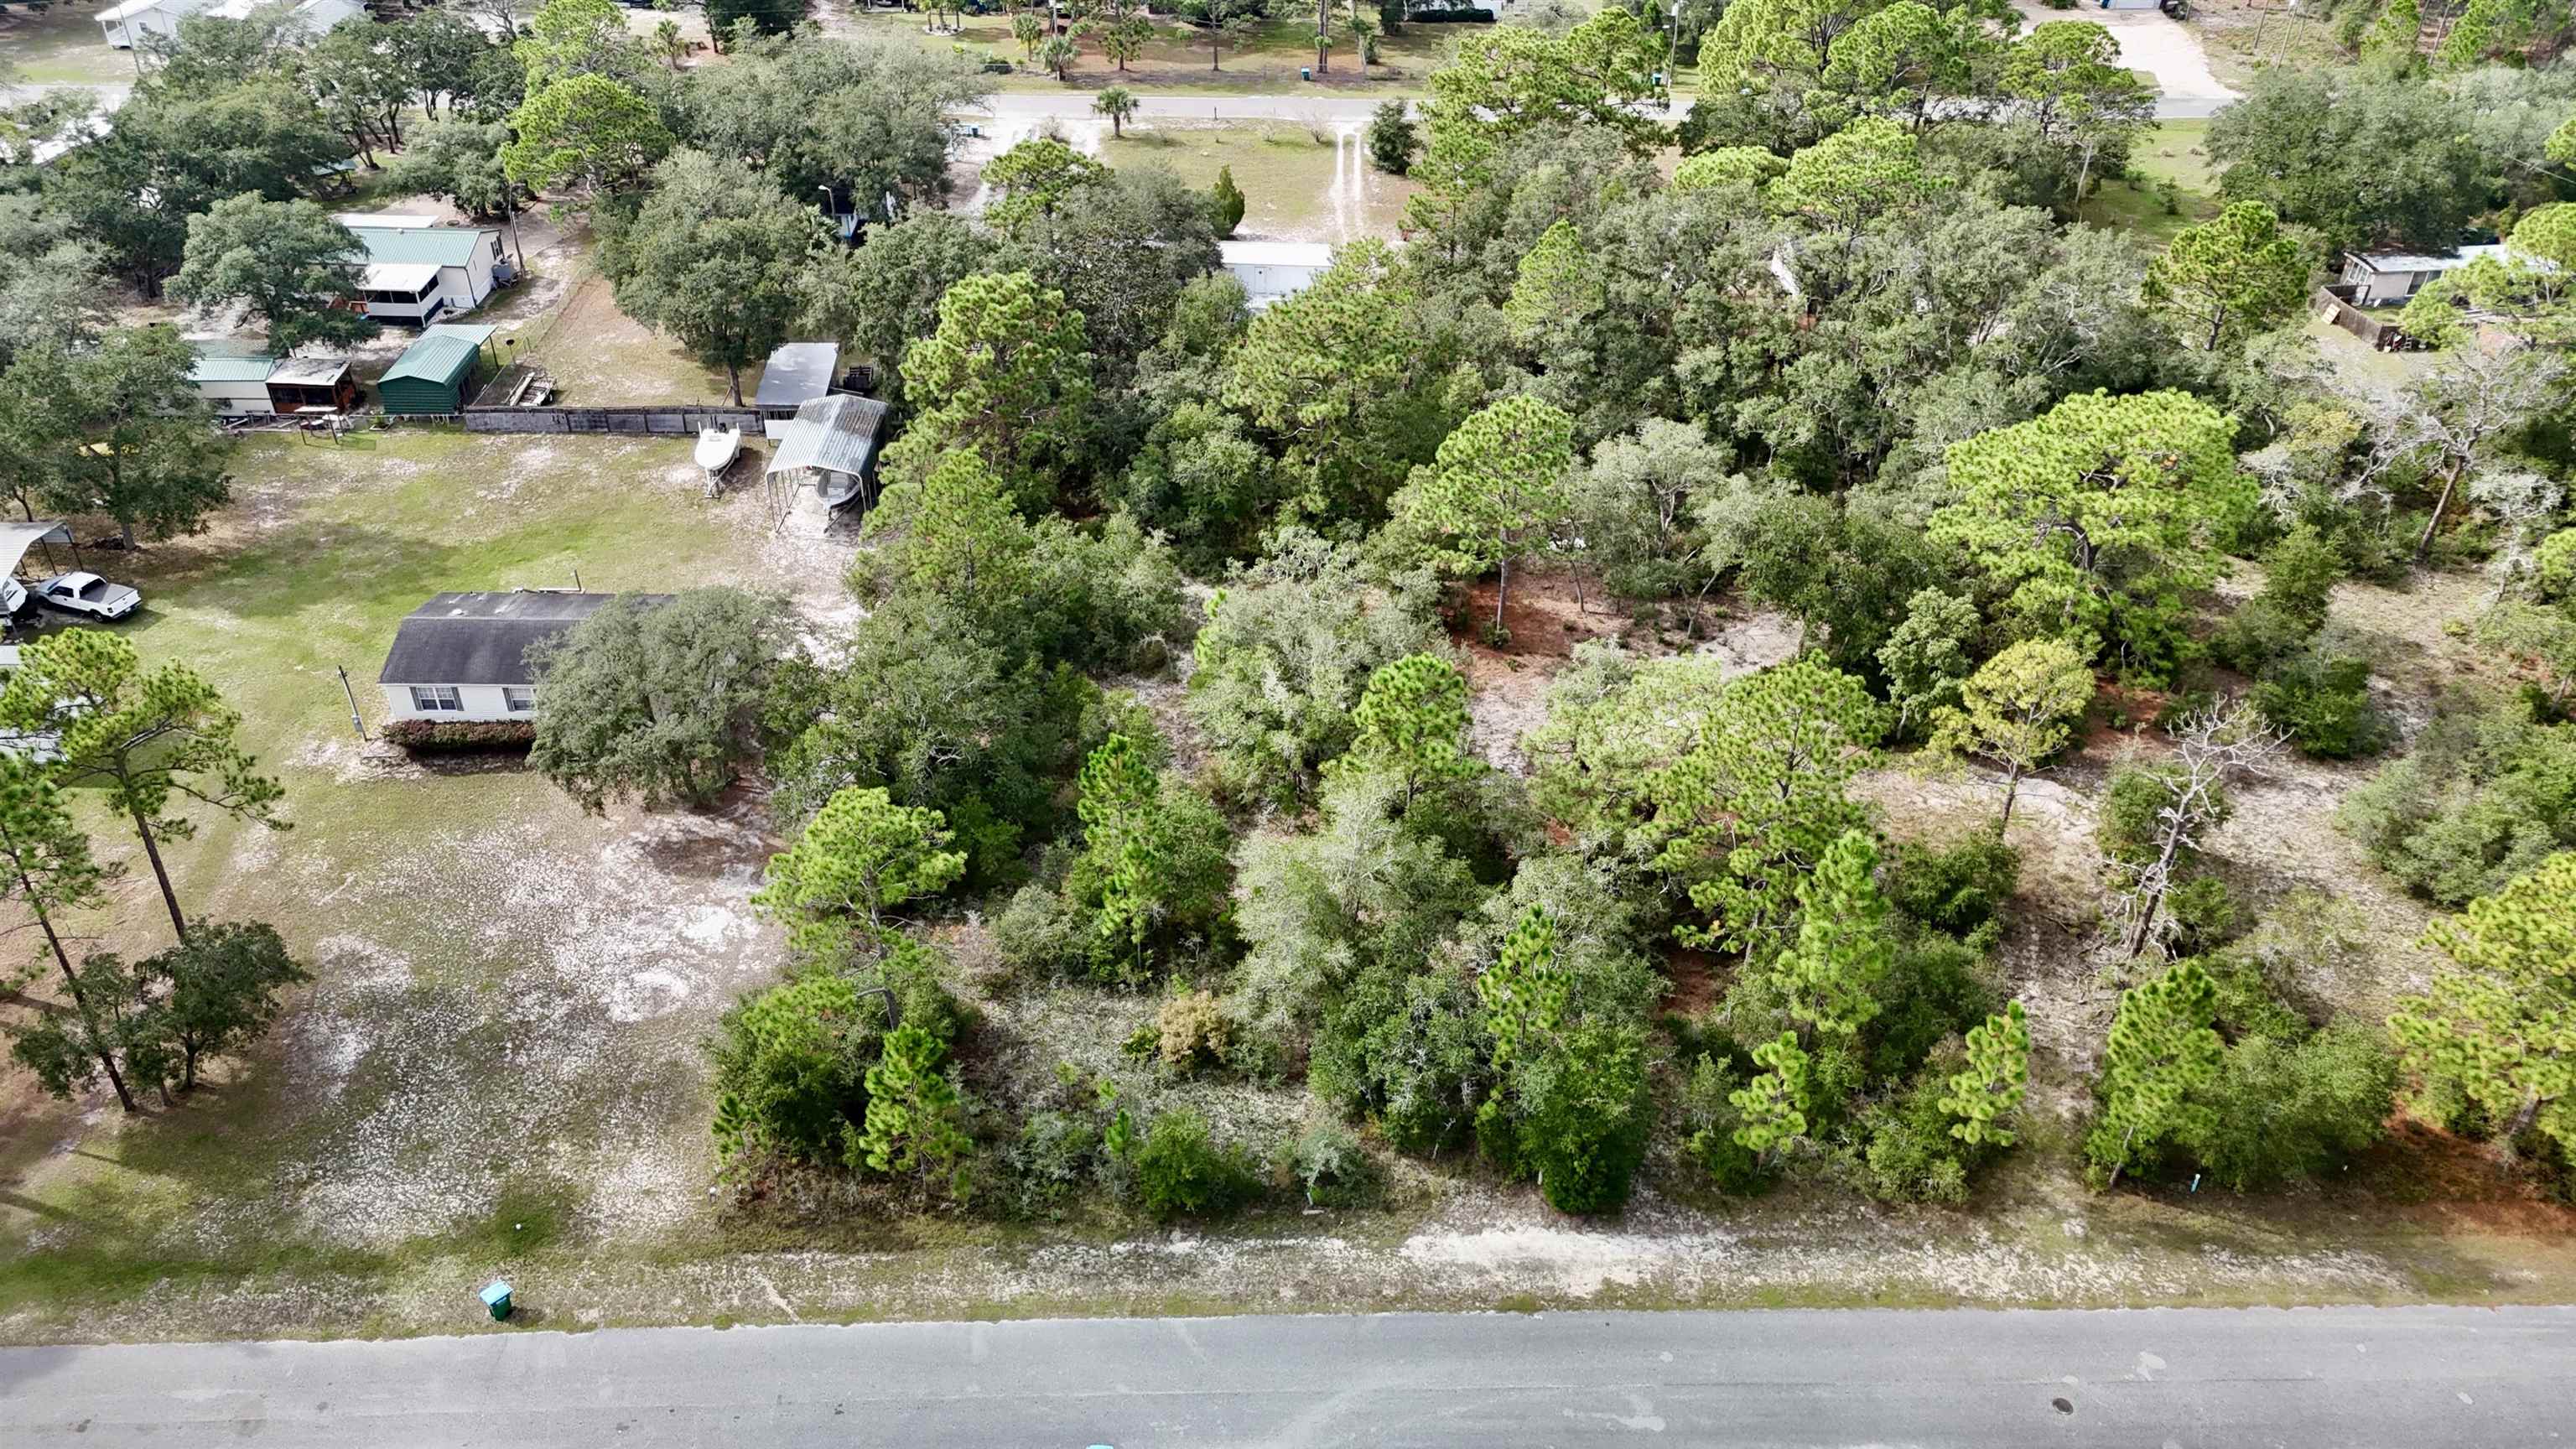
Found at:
[233, 383]
[125, 25]
[464, 657]
[417, 270]
[314, 17]
[2386, 279]
[1272, 270]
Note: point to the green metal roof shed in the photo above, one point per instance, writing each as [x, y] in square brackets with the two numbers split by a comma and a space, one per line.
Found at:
[436, 374]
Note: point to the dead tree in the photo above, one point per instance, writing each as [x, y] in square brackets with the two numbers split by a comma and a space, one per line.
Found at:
[2211, 749]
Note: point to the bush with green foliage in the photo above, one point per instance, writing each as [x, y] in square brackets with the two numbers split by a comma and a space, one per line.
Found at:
[1183, 1172]
[1960, 888]
[1393, 141]
[791, 1061]
[2323, 702]
[1327, 1162]
[1287, 650]
[2486, 793]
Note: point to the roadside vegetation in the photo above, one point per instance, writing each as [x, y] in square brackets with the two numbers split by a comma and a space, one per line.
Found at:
[1854, 648]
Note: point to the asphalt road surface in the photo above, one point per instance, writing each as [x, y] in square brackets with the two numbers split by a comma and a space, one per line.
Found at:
[2405, 1378]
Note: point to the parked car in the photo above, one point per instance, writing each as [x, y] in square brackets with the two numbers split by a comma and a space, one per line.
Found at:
[89, 594]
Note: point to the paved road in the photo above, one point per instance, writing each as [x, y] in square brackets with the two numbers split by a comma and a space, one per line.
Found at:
[2423, 1378]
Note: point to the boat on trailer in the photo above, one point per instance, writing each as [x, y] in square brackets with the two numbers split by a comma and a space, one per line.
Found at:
[717, 448]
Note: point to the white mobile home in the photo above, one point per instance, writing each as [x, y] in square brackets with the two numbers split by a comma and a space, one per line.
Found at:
[1272, 270]
[313, 17]
[464, 657]
[2387, 279]
[416, 271]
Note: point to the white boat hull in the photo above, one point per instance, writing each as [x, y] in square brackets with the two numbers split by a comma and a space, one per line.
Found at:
[717, 448]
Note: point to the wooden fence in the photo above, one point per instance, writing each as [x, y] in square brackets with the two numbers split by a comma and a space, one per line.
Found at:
[661, 421]
[2336, 301]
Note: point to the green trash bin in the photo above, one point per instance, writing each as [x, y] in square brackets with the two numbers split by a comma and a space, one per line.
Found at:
[496, 1296]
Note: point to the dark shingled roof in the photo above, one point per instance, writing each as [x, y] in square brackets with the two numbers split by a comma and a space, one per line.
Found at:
[484, 638]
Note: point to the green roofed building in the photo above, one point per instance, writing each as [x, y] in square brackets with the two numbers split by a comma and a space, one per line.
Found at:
[435, 375]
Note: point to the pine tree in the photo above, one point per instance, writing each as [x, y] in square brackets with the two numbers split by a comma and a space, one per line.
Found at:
[2163, 1053]
[1118, 793]
[2498, 1028]
[1412, 719]
[962, 537]
[859, 857]
[151, 739]
[51, 871]
[1774, 1104]
[1557, 286]
[1525, 992]
[1831, 974]
[2230, 277]
[1749, 808]
[1988, 1095]
[2018, 709]
[914, 1116]
[1225, 203]
[1496, 488]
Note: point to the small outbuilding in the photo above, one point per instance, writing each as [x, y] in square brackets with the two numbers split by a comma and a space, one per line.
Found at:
[313, 385]
[463, 657]
[435, 375]
[796, 374]
[833, 441]
[1272, 270]
[234, 382]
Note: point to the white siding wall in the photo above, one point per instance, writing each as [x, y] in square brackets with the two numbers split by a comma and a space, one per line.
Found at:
[481, 701]
[1265, 283]
[235, 399]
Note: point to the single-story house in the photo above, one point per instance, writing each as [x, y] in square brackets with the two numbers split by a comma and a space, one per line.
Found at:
[234, 382]
[417, 269]
[1272, 270]
[834, 440]
[2386, 279]
[464, 657]
[125, 25]
[435, 375]
[796, 374]
[313, 384]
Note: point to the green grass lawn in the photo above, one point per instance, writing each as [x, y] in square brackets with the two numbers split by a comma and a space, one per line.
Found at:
[1288, 174]
[507, 991]
[2168, 151]
[63, 46]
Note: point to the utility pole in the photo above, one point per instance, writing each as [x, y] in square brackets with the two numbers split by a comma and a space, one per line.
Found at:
[355, 723]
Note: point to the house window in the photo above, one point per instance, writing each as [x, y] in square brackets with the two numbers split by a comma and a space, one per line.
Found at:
[519, 698]
[426, 697]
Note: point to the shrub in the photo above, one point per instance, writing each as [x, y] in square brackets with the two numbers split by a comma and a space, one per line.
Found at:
[1585, 1114]
[1191, 1030]
[1909, 1154]
[433, 736]
[2285, 1110]
[2484, 796]
[1392, 138]
[1934, 989]
[791, 1061]
[2323, 701]
[1959, 888]
[1713, 1119]
[1328, 1162]
[1040, 934]
[1182, 1172]
[1058, 1152]
[2202, 914]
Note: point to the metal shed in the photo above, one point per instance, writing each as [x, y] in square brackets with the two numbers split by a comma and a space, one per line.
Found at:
[835, 439]
[435, 375]
[797, 373]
